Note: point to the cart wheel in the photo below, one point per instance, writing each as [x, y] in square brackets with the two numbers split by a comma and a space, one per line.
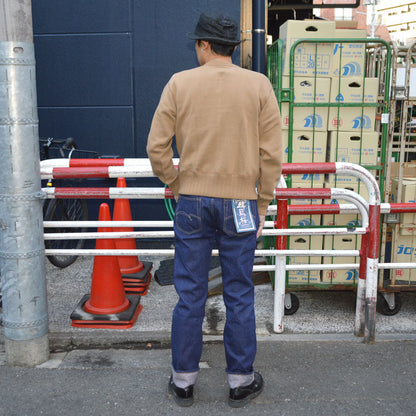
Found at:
[292, 306]
[384, 308]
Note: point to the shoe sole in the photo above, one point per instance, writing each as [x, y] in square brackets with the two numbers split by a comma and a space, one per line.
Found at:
[179, 400]
[245, 401]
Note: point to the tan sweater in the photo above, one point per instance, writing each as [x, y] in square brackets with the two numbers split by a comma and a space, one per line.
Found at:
[228, 134]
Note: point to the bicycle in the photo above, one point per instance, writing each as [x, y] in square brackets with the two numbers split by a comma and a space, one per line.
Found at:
[63, 209]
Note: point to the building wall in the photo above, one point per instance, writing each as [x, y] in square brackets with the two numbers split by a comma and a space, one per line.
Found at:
[102, 65]
[400, 18]
[358, 14]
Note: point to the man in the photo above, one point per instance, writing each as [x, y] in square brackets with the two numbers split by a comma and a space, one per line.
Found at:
[228, 134]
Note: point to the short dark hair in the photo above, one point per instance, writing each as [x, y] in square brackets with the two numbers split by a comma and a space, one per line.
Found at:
[220, 48]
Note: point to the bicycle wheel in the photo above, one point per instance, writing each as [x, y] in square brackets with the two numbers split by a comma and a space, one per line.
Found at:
[65, 210]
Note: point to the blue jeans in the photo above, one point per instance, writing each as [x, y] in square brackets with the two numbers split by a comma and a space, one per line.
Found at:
[202, 223]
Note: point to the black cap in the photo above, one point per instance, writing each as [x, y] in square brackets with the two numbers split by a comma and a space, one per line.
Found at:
[216, 27]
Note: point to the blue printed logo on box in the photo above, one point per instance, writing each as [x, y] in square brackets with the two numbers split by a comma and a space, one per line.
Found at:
[313, 121]
[362, 122]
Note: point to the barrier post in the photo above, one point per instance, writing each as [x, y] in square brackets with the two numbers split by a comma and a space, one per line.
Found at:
[280, 269]
[360, 302]
[372, 274]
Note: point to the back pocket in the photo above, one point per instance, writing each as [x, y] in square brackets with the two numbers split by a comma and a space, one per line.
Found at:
[188, 215]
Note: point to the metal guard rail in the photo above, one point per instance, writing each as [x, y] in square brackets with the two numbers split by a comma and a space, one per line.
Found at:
[367, 282]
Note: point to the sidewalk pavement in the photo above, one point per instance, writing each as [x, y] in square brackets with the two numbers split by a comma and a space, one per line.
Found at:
[320, 312]
[316, 367]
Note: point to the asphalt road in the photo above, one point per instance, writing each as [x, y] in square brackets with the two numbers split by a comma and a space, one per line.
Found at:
[309, 377]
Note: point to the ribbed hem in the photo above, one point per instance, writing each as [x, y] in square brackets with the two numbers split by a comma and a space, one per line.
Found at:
[218, 186]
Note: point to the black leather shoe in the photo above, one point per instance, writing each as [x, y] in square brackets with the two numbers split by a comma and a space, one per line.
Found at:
[240, 396]
[183, 397]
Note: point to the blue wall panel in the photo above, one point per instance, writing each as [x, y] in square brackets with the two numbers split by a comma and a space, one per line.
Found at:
[102, 65]
[84, 70]
[81, 16]
[104, 129]
[161, 48]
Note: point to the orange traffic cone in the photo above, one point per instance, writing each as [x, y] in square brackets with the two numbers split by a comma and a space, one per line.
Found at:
[135, 274]
[107, 306]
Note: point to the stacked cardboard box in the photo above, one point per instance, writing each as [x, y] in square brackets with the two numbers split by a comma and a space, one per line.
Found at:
[348, 58]
[307, 90]
[404, 246]
[328, 72]
[305, 242]
[408, 194]
[310, 59]
[404, 243]
[351, 138]
[353, 90]
[343, 242]
[404, 251]
[312, 84]
[305, 276]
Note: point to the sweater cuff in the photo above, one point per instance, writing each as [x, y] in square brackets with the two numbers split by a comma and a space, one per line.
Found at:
[174, 187]
[262, 206]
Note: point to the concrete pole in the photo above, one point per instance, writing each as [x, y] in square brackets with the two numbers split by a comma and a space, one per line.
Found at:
[22, 264]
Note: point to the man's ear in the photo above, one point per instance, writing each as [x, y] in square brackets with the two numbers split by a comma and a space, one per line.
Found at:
[205, 45]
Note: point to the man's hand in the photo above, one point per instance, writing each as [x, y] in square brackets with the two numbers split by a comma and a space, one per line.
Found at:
[262, 218]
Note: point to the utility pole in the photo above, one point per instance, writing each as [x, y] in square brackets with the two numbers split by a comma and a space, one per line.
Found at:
[259, 36]
[22, 253]
[373, 18]
[372, 4]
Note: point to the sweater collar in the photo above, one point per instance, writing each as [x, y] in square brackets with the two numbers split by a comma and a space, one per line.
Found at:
[218, 63]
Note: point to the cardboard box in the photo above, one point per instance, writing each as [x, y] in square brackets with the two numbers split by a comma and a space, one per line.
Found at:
[304, 243]
[404, 251]
[353, 91]
[309, 58]
[341, 242]
[353, 147]
[408, 172]
[346, 24]
[348, 59]
[307, 146]
[352, 119]
[408, 190]
[307, 90]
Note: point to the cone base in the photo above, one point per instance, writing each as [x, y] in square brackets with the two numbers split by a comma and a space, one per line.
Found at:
[135, 282]
[123, 320]
[135, 269]
[105, 311]
[140, 276]
[137, 289]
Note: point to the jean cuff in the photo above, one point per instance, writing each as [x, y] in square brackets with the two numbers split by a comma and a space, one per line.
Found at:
[240, 380]
[183, 380]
